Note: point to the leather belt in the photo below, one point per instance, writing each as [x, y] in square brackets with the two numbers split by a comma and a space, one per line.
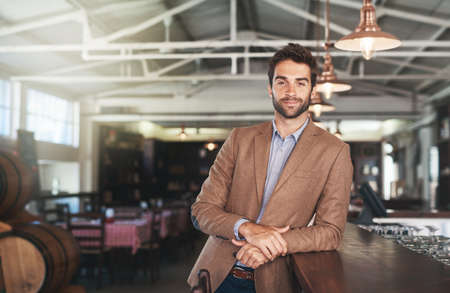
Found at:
[241, 273]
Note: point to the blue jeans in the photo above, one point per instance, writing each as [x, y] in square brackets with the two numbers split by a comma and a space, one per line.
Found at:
[235, 285]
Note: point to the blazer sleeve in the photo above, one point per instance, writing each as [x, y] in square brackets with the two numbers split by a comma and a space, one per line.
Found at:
[331, 210]
[208, 211]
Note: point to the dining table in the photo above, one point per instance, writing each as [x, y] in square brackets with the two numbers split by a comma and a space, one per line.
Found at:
[119, 233]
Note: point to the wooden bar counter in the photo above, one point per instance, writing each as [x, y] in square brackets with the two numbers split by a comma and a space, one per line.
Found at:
[366, 262]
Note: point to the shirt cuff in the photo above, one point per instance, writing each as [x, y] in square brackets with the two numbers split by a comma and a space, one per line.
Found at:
[236, 228]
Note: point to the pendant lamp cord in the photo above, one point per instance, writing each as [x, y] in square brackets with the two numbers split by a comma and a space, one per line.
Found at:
[327, 25]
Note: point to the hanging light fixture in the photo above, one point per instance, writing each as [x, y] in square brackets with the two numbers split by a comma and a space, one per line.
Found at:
[318, 106]
[182, 133]
[368, 36]
[211, 145]
[327, 82]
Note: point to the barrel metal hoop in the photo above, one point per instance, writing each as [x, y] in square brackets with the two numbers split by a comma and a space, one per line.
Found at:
[19, 189]
[3, 185]
[63, 249]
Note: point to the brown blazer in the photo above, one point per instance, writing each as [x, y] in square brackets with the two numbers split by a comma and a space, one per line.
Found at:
[315, 180]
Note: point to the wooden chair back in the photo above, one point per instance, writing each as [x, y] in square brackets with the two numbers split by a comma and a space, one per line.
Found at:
[155, 227]
[89, 231]
[57, 215]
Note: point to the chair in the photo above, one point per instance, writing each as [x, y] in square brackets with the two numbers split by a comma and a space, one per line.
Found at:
[204, 282]
[57, 215]
[153, 246]
[89, 231]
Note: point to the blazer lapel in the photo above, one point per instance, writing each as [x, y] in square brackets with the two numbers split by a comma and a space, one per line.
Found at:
[298, 155]
[262, 152]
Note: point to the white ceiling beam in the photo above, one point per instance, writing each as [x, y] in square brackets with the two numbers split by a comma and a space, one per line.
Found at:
[172, 66]
[46, 20]
[386, 89]
[240, 117]
[79, 67]
[406, 62]
[381, 88]
[120, 6]
[426, 83]
[414, 16]
[243, 77]
[443, 94]
[142, 98]
[306, 15]
[399, 54]
[149, 100]
[233, 20]
[195, 89]
[188, 45]
[118, 91]
[410, 65]
[132, 30]
[178, 117]
[41, 22]
[394, 12]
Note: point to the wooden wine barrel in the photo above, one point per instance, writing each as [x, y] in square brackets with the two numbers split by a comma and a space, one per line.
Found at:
[23, 216]
[16, 185]
[37, 257]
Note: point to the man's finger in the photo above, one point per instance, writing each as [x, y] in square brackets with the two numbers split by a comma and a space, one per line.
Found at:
[240, 253]
[238, 242]
[265, 251]
[282, 242]
[276, 248]
[282, 229]
[246, 257]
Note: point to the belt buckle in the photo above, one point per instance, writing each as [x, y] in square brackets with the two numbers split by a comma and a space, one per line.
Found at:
[242, 274]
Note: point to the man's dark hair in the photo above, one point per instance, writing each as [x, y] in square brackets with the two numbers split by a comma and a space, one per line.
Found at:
[296, 53]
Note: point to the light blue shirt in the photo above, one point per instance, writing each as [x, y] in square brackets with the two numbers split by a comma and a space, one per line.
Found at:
[280, 150]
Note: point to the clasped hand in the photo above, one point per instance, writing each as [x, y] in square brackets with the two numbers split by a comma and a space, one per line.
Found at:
[262, 244]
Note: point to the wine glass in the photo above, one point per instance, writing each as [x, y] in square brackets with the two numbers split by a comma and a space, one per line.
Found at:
[432, 231]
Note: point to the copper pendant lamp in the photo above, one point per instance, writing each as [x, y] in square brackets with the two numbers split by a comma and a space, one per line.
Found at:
[368, 36]
[318, 106]
[183, 135]
[327, 82]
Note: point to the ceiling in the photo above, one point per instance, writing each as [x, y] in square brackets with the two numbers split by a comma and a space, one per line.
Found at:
[204, 62]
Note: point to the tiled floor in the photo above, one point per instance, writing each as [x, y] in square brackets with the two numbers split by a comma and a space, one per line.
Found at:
[174, 272]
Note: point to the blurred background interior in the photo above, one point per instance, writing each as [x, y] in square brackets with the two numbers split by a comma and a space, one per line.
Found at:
[119, 108]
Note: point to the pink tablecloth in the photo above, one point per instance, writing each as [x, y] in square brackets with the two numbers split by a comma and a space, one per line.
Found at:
[121, 233]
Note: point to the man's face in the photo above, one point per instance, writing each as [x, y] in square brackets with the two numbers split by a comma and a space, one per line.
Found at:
[291, 88]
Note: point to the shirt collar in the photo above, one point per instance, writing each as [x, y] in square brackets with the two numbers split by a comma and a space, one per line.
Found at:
[296, 134]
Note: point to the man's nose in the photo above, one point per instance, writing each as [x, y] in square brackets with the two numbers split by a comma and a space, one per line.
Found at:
[291, 89]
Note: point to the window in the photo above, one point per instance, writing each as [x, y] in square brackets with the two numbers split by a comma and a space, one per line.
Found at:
[5, 108]
[52, 119]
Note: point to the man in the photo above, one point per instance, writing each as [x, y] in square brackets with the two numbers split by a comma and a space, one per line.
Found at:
[266, 185]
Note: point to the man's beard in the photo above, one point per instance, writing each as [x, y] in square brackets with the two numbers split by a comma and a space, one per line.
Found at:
[283, 113]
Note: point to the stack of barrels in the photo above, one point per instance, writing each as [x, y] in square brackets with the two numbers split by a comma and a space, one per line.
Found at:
[34, 256]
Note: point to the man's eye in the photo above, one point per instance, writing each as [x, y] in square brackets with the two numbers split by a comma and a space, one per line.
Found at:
[301, 84]
[280, 82]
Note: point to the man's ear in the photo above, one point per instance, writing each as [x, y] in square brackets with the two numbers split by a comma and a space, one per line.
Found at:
[269, 90]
